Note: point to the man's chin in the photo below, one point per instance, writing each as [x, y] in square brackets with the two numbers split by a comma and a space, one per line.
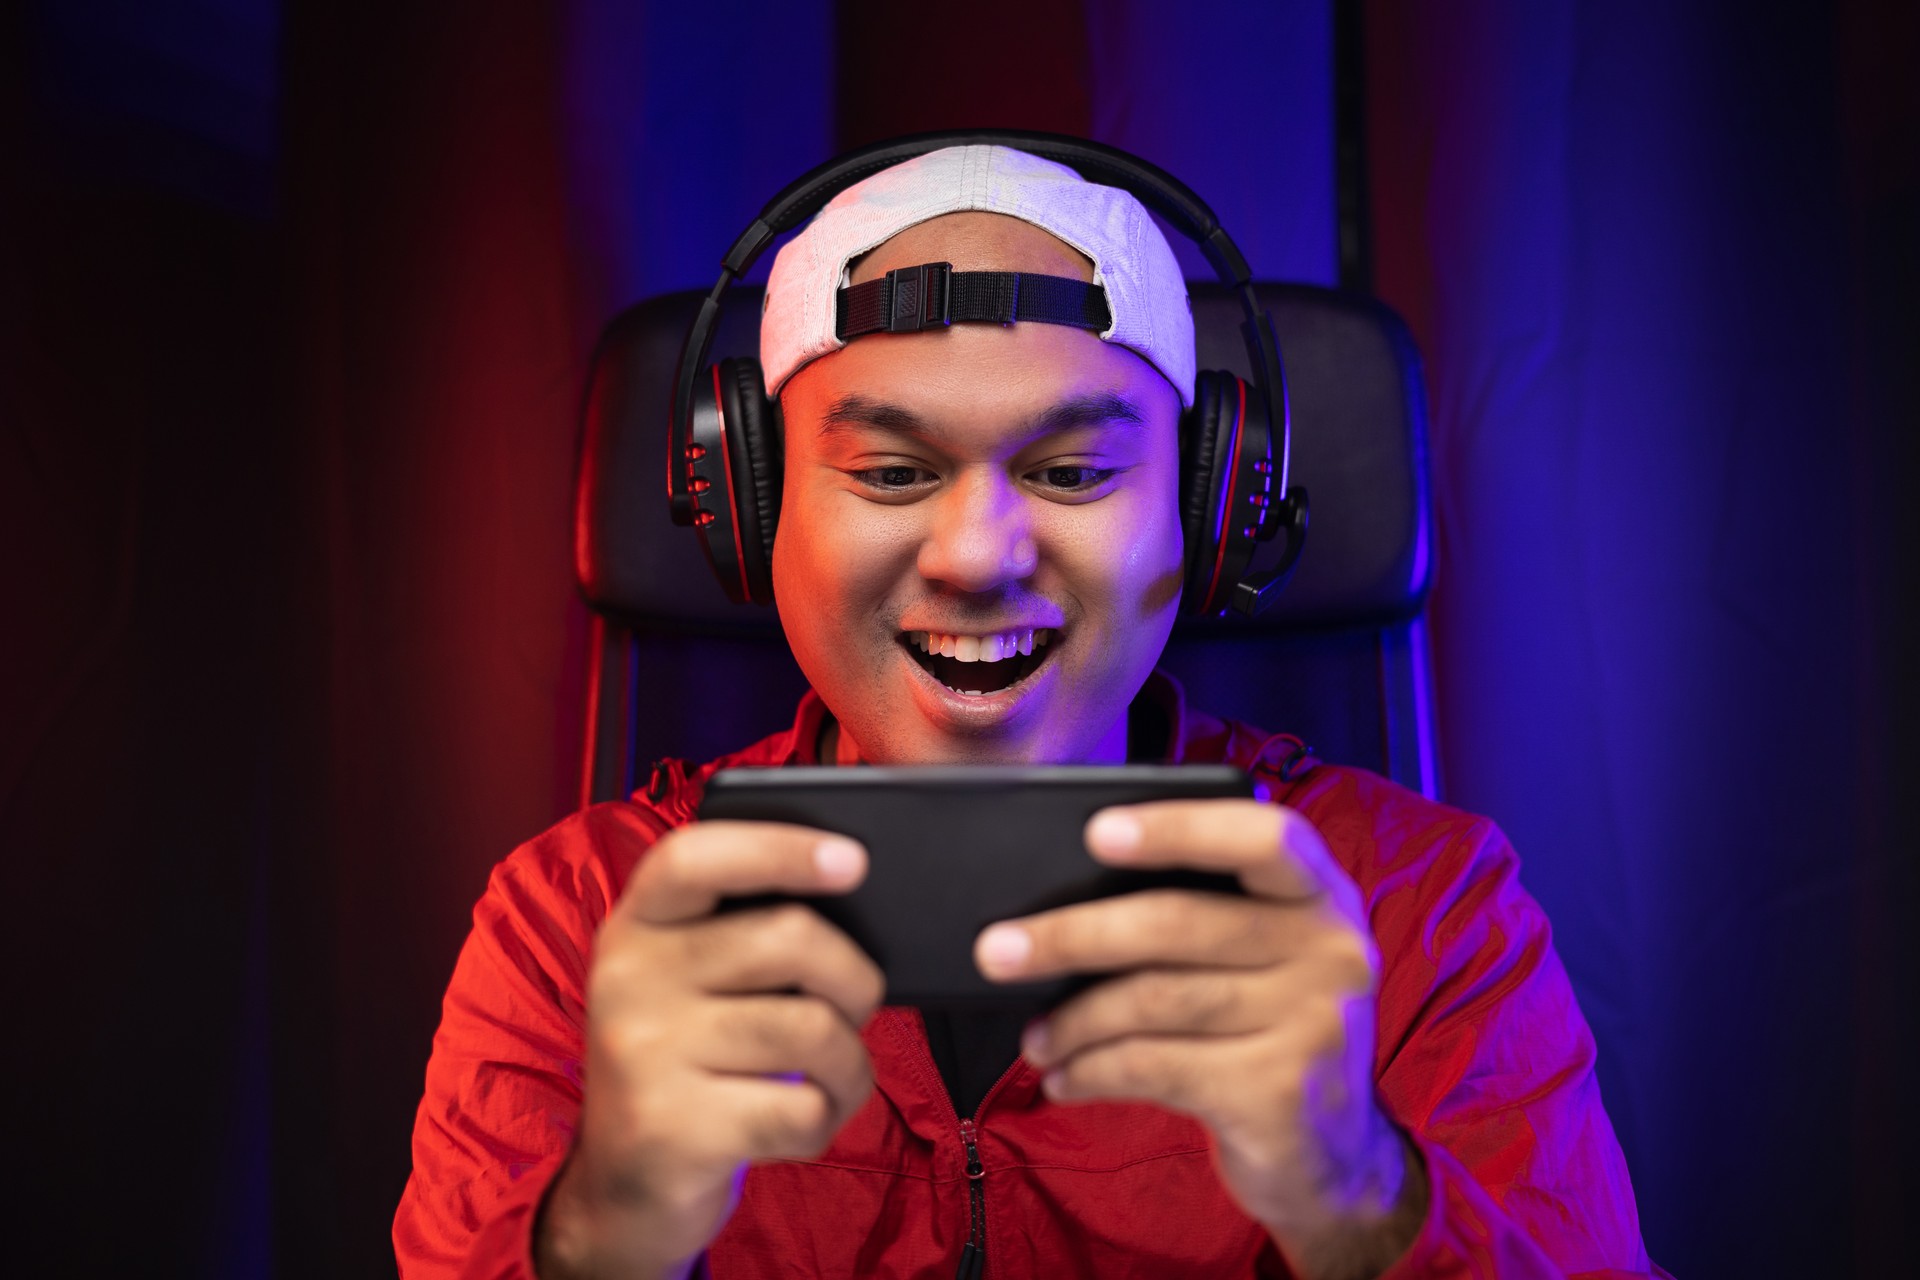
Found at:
[1044, 741]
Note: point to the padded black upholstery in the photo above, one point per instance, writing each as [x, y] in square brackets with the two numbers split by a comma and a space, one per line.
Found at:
[1339, 660]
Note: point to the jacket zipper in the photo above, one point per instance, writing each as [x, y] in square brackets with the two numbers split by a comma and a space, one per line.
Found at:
[973, 1258]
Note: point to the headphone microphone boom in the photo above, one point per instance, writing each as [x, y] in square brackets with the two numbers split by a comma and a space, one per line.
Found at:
[724, 446]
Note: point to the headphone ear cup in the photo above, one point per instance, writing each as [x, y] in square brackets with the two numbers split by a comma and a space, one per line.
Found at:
[752, 423]
[1207, 432]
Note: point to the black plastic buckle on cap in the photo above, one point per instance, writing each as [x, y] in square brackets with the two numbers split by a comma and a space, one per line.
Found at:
[919, 297]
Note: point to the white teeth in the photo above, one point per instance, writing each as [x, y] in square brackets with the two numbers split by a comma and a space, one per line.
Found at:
[993, 648]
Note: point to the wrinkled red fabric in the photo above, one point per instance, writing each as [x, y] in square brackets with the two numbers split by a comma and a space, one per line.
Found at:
[1483, 1057]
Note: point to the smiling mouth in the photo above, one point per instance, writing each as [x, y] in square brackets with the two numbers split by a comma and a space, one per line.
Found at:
[980, 665]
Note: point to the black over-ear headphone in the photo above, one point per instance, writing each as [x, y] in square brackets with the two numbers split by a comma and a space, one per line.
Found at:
[724, 450]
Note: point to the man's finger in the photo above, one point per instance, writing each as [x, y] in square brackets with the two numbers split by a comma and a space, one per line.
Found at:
[1174, 1071]
[691, 869]
[1152, 927]
[1277, 853]
[770, 1035]
[779, 948]
[758, 1119]
[1212, 1002]
[785, 1036]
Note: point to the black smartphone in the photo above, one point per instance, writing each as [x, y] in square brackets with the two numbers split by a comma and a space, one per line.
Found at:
[954, 848]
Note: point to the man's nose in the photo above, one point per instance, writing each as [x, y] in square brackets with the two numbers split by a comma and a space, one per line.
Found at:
[980, 537]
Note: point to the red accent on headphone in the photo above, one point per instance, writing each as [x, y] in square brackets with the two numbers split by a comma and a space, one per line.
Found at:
[1226, 508]
[726, 466]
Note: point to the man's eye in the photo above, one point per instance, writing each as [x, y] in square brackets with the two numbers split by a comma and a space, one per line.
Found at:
[1074, 479]
[894, 477]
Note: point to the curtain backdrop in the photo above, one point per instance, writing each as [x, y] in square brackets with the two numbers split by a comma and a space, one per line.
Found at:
[295, 305]
[1620, 235]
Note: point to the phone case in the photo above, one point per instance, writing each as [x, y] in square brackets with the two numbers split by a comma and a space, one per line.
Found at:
[953, 849]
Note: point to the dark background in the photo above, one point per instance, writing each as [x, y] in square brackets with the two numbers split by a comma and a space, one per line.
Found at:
[295, 303]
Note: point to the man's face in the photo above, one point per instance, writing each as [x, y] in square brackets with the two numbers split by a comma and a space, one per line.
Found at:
[980, 490]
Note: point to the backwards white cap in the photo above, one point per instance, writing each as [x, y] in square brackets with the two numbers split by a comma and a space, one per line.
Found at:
[1145, 292]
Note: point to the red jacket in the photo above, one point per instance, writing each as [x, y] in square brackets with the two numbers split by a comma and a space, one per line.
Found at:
[1483, 1057]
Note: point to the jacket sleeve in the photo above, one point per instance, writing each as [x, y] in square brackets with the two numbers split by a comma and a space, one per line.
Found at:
[504, 1080]
[1483, 1057]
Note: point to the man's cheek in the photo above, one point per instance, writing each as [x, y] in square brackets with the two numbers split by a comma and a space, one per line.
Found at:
[1163, 592]
[1152, 569]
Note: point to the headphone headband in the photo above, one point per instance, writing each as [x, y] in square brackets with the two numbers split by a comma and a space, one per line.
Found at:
[1097, 162]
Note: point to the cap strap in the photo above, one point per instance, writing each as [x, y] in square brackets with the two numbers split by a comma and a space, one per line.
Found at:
[934, 295]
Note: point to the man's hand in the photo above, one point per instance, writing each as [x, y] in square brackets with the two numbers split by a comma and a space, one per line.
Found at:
[712, 1041]
[1254, 1015]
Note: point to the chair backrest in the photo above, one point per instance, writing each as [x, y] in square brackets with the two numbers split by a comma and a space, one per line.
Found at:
[1340, 660]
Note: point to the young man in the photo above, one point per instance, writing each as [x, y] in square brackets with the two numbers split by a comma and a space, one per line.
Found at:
[1369, 1065]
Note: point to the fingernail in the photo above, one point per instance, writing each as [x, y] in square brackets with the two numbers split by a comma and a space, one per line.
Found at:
[1054, 1083]
[1004, 948]
[1113, 832]
[837, 859]
[1033, 1041]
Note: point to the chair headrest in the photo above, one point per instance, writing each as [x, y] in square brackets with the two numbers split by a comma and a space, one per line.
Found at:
[1359, 448]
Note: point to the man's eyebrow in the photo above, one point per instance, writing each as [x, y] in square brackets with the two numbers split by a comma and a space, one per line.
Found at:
[857, 410]
[1091, 409]
[1088, 410]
